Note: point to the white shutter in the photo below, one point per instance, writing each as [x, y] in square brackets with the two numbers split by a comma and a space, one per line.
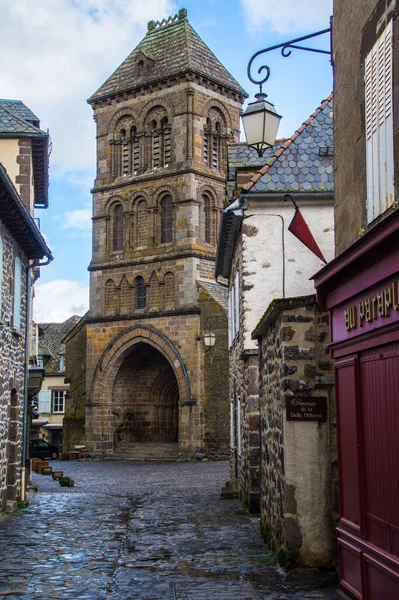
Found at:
[44, 405]
[231, 424]
[379, 126]
[230, 318]
[17, 293]
[239, 427]
[237, 302]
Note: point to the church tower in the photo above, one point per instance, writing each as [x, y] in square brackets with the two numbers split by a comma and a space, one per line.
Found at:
[164, 118]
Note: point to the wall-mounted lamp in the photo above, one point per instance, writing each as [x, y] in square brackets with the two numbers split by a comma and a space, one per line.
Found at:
[209, 335]
[260, 119]
[209, 339]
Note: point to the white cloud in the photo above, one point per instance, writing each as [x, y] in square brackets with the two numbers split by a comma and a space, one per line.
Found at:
[77, 219]
[58, 300]
[58, 54]
[287, 16]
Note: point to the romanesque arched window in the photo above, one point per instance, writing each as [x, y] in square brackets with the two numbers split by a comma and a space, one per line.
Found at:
[206, 219]
[117, 228]
[140, 293]
[213, 139]
[166, 219]
[135, 150]
[159, 130]
[125, 148]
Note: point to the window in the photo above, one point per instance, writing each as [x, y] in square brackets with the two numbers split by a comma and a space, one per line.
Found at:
[238, 426]
[59, 401]
[141, 293]
[62, 362]
[117, 228]
[234, 309]
[17, 293]
[125, 148]
[206, 207]
[44, 403]
[213, 138]
[135, 143]
[167, 219]
[232, 424]
[40, 361]
[379, 126]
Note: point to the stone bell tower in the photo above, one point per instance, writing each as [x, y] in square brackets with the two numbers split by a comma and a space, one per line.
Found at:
[163, 119]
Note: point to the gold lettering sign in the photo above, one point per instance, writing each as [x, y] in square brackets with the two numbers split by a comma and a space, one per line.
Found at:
[379, 305]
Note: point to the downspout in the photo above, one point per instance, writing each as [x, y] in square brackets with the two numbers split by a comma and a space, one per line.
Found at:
[25, 441]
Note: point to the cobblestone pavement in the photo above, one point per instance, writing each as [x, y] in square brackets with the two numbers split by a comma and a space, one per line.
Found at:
[139, 531]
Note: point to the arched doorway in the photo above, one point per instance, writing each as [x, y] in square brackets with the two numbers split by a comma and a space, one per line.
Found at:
[145, 398]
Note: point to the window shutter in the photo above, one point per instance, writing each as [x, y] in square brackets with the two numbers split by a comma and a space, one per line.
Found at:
[237, 302]
[231, 424]
[230, 320]
[239, 427]
[44, 405]
[379, 126]
[17, 293]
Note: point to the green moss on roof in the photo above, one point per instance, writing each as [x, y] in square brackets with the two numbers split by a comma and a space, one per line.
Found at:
[171, 48]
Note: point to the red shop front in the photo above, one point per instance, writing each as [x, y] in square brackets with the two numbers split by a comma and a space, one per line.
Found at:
[360, 288]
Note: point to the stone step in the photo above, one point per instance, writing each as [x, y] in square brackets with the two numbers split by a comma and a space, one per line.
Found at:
[147, 451]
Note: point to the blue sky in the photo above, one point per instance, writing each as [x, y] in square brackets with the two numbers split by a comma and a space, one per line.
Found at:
[60, 53]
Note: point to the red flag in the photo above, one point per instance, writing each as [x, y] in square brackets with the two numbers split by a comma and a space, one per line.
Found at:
[300, 229]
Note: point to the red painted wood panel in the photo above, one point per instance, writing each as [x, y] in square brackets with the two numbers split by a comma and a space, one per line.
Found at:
[381, 583]
[350, 568]
[348, 442]
[380, 422]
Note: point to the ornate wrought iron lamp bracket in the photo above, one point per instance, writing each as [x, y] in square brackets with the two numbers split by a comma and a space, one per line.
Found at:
[286, 49]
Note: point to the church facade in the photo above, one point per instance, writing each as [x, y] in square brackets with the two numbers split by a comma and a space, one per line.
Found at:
[137, 363]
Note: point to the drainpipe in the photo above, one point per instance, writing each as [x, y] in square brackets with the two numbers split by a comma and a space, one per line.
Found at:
[25, 429]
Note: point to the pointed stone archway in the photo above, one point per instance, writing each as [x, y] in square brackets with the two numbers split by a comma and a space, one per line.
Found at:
[139, 384]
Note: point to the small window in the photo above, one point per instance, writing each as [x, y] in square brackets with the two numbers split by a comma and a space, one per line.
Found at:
[62, 362]
[167, 219]
[17, 293]
[59, 401]
[40, 361]
[206, 207]
[141, 293]
[117, 228]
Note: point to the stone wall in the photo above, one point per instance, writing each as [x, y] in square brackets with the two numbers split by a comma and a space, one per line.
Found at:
[12, 359]
[298, 461]
[216, 380]
[243, 377]
[75, 375]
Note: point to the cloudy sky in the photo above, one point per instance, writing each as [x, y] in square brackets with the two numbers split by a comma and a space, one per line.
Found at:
[60, 51]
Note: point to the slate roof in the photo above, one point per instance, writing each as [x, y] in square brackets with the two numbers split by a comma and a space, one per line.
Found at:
[242, 155]
[217, 292]
[20, 109]
[170, 48]
[297, 165]
[13, 122]
[17, 219]
[17, 120]
[50, 342]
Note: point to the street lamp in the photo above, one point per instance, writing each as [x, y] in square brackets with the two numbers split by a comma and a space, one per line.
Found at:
[260, 119]
[261, 123]
[209, 339]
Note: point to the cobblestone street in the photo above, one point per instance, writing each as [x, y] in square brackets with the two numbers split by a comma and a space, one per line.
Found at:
[139, 531]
